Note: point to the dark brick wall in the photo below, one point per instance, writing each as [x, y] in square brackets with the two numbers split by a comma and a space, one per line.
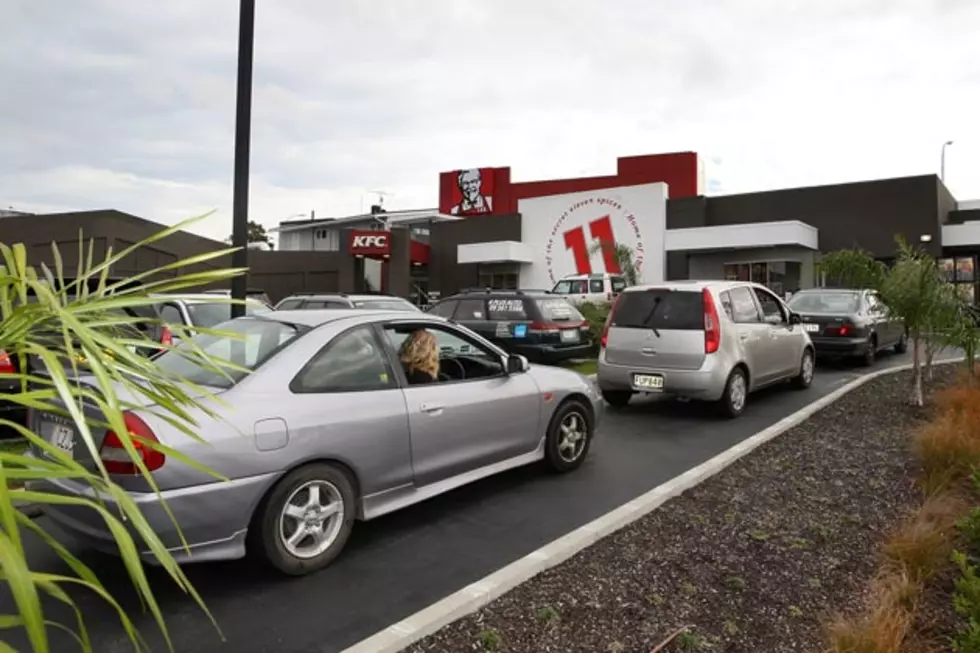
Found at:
[445, 275]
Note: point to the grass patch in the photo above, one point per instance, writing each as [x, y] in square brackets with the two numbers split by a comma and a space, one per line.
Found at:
[582, 367]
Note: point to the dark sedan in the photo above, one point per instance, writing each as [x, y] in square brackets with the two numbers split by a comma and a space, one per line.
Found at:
[848, 323]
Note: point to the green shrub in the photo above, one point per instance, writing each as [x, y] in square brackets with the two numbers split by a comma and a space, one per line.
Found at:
[595, 315]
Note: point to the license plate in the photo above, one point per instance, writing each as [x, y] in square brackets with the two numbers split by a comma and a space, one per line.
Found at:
[648, 381]
[812, 328]
[63, 437]
[569, 335]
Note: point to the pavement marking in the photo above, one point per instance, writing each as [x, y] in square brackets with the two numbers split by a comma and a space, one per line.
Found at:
[471, 598]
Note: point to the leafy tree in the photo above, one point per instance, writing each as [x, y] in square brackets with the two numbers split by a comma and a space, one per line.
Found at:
[852, 268]
[963, 332]
[624, 256]
[256, 234]
[75, 326]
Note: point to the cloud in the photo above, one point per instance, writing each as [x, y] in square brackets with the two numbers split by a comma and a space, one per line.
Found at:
[131, 105]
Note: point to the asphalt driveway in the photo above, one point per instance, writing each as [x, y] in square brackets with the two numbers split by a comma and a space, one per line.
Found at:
[401, 563]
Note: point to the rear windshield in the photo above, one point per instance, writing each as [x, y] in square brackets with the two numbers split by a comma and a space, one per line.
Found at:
[828, 301]
[558, 310]
[387, 304]
[207, 314]
[256, 342]
[659, 309]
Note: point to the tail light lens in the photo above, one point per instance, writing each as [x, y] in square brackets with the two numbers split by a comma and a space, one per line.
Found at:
[6, 363]
[543, 327]
[712, 326]
[604, 338]
[841, 330]
[117, 460]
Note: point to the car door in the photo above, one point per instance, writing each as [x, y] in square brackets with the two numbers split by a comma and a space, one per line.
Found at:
[784, 337]
[754, 335]
[462, 424]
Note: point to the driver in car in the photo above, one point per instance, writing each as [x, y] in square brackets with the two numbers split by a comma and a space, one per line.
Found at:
[419, 355]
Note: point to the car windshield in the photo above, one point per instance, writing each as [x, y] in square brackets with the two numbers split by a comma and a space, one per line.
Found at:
[208, 314]
[249, 343]
[558, 310]
[825, 301]
[386, 304]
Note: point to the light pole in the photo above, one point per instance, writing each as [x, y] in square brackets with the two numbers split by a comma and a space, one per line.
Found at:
[243, 133]
[942, 162]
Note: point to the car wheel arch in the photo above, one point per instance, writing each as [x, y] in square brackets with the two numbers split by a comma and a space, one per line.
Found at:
[579, 398]
[742, 365]
[335, 462]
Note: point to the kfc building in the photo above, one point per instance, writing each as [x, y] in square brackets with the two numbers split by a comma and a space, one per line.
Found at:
[491, 231]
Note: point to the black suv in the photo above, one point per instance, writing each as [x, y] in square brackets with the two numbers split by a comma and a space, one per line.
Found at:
[543, 327]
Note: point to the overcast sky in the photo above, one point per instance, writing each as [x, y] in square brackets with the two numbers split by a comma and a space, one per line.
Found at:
[130, 104]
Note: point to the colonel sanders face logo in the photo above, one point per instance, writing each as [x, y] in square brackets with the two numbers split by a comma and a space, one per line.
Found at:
[470, 183]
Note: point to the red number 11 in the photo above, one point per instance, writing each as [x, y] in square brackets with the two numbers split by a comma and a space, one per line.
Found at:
[601, 231]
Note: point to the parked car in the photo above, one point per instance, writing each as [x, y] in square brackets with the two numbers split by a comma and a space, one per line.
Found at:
[250, 293]
[849, 323]
[535, 324]
[594, 288]
[717, 341]
[199, 310]
[326, 430]
[314, 301]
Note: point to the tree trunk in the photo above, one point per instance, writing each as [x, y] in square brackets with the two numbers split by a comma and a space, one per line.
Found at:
[916, 398]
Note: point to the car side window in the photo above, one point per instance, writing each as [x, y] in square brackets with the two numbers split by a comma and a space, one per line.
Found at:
[578, 287]
[744, 308]
[170, 314]
[460, 357]
[471, 309]
[875, 307]
[771, 309]
[444, 309]
[726, 303]
[289, 304]
[563, 287]
[596, 286]
[618, 284]
[352, 362]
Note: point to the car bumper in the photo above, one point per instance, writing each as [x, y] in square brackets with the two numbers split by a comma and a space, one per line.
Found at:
[213, 518]
[706, 383]
[839, 346]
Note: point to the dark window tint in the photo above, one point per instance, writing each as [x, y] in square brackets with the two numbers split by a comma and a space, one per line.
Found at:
[558, 310]
[289, 304]
[744, 307]
[618, 284]
[471, 309]
[506, 308]
[660, 309]
[256, 341]
[444, 309]
[826, 301]
[596, 286]
[352, 362]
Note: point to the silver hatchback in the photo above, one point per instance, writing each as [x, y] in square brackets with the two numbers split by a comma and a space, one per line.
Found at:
[706, 340]
[328, 428]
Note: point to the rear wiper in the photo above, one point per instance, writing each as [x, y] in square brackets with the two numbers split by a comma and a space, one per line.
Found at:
[653, 311]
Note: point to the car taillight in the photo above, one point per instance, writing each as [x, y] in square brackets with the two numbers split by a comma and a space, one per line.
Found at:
[604, 338]
[543, 327]
[841, 330]
[6, 363]
[712, 327]
[114, 455]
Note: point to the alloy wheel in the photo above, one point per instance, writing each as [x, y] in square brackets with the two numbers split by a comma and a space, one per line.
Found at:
[737, 392]
[807, 370]
[311, 519]
[574, 433]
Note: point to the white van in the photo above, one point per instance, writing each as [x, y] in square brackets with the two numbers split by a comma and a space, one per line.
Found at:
[594, 288]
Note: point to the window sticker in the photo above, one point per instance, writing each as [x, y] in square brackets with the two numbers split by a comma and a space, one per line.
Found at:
[506, 305]
[520, 331]
[503, 329]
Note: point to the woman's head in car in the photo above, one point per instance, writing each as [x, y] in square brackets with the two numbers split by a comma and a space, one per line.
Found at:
[419, 353]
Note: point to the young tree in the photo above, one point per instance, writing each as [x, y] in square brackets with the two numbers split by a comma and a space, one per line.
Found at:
[964, 333]
[852, 268]
[624, 256]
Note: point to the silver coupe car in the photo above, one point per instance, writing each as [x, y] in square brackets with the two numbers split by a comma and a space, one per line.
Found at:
[327, 429]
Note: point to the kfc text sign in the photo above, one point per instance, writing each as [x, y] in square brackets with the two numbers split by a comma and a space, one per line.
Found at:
[370, 243]
[575, 233]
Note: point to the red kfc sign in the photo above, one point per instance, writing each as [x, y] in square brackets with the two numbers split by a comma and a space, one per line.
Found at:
[471, 192]
[370, 243]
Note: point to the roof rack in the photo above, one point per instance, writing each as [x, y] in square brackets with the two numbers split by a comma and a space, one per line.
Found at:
[498, 291]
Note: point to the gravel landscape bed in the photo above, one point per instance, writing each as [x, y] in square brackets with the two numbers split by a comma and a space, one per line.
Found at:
[754, 559]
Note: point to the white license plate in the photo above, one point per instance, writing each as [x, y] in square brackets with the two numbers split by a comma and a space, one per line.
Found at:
[569, 335]
[63, 437]
[648, 381]
[812, 328]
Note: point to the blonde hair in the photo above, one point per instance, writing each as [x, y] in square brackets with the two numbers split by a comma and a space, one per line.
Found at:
[419, 352]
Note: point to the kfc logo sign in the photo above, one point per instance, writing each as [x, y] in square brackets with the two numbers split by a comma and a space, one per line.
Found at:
[370, 243]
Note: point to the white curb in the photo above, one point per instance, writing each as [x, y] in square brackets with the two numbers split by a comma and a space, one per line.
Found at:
[473, 597]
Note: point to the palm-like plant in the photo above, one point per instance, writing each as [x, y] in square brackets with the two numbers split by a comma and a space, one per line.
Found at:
[624, 257]
[88, 352]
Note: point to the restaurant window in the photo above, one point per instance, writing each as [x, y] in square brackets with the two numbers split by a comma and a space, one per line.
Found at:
[498, 276]
[961, 272]
[781, 277]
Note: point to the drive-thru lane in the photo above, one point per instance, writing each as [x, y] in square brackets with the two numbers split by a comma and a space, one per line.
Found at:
[401, 563]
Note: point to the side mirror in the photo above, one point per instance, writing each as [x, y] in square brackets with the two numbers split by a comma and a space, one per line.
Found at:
[517, 364]
[794, 318]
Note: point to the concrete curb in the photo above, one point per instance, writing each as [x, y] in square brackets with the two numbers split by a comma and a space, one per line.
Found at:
[471, 598]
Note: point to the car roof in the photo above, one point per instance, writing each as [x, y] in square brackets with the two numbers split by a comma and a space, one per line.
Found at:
[339, 295]
[693, 285]
[320, 316]
[200, 297]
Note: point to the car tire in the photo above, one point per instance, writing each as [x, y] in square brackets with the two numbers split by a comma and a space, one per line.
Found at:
[271, 528]
[617, 398]
[735, 396]
[902, 345]
[569, 437]
[804, 379]
[870, 352]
